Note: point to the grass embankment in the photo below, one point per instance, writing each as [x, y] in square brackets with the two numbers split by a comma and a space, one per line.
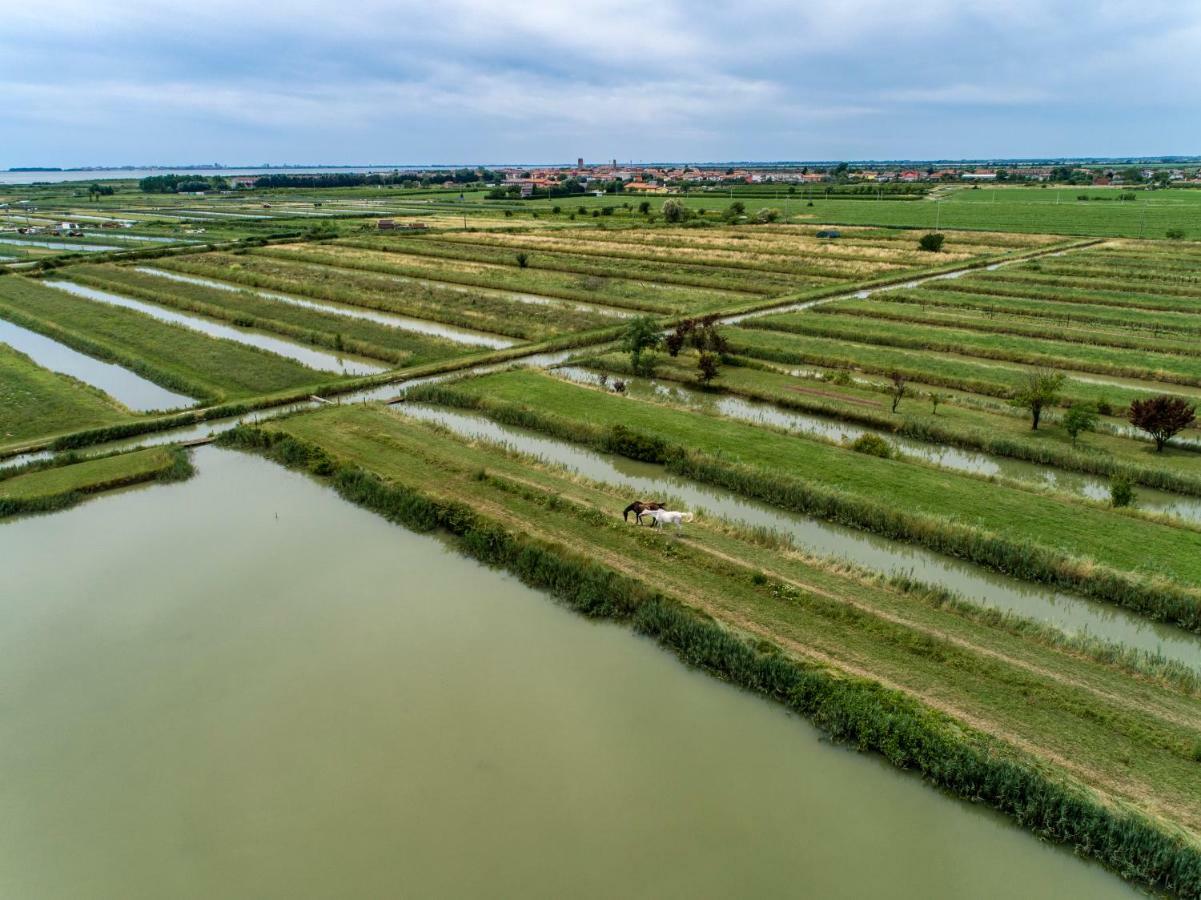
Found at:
[477, 309]
[35, 402]
[957, 297]
[1070, 747]
[249, 310]
[1120, 332]
[1001, 432]
[566, 257]
[1149, 567]
[170, 355]
[64, 482]
[1055, 353]
[628, 293]
[994, 379]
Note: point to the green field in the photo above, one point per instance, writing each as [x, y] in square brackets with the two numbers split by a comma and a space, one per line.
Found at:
[169, 355]
[35, 401]
[361, 337]
[64, 483]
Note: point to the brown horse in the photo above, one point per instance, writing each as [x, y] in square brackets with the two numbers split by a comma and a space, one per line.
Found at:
[638, 507]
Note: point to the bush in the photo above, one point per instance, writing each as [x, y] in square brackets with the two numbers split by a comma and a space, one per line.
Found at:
[1175, 234]
[1121, 491]
[523, 260]
[932, 242]
[872, 445]
[673, 211]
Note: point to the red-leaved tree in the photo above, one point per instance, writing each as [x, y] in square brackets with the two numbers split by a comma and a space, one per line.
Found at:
[1162, 417]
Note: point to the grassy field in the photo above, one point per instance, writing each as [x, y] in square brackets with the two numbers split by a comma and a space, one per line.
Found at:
[36, 402]
[170, 355]
[478, 309]
[1125, 737]
[960, 420]
[876, 494]
[65, 482]
[949, 370]
[245, 308]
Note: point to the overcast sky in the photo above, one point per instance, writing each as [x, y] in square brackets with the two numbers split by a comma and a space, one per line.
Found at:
[458, 81]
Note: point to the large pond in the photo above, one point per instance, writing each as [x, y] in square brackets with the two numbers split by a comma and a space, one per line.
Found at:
[242, 686]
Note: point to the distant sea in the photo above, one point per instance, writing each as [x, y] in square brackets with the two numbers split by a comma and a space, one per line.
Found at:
[109, 174]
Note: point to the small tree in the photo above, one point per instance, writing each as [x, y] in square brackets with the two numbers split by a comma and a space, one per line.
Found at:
[932, 242]
[523, 260]
[644, 207]
[935, 398]
[766, 215]
[706, 367]
[897, 389]
[1079, 418]
[641, 338]
[1175, 234]
[1039, 390]
[1162, 417]
[673, 210]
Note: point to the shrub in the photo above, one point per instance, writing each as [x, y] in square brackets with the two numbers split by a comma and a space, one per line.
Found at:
[1121, 491]
[767, 215]
[935, 398]
[1175, 234]
[523, 260]
[706, 365]
[673, 211]
[1079, 418]
[872, 445]
[932, 242]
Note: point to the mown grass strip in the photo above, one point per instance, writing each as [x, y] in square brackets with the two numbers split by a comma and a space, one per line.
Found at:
[954, 425]
[856, 711]
[66, 482]
[170, 355]
[248, 310]
[35, 401]
[308, 276]
[1150, 568]
[1141, 364]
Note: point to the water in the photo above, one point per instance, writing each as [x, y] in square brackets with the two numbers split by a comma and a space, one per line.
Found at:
[315, 359]
[422, 326]
[60, 245]
[1069, 613]
[311, 703]
[124, 386]
[954, 458]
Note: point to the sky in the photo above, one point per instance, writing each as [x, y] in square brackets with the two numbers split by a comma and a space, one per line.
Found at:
[113, 82]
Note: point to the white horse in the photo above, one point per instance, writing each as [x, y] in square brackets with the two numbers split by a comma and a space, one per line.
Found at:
[668, 517]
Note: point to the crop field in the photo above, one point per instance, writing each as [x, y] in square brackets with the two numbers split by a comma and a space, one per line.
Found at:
[881, 540]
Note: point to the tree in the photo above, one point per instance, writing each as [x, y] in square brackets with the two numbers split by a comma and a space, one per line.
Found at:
[706, 366]
[642, 335]
[673, 210]
[898, 388]
[644, 207]
[935, 398]
[1039, 390]
[766, 215]
[1079, 418]
[1162, 417]
[932, 242]
[523, 260]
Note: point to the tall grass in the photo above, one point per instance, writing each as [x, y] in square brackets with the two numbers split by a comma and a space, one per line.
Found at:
[854, 711]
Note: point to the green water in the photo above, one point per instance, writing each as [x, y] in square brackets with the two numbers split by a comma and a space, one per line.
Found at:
[243, 687]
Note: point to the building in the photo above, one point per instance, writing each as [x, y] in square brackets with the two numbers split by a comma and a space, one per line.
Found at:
[386, 224]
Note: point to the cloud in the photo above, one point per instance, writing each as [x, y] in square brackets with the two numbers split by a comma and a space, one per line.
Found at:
[109, 81]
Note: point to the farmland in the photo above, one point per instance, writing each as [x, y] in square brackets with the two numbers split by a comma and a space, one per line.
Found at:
[882, 542]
